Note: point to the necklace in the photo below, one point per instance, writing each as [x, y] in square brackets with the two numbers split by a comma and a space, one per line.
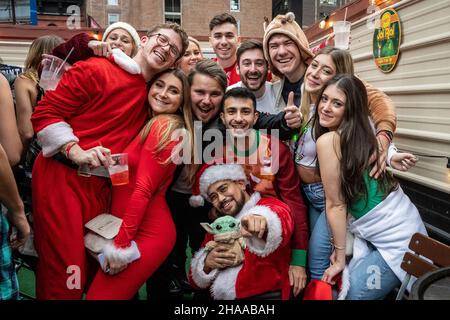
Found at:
[247, 153]
[298, 146]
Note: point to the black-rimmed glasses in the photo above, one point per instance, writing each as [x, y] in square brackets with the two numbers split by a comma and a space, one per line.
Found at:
[163, 41]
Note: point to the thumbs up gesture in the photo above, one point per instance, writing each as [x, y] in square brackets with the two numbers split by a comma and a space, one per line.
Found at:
[293, 115]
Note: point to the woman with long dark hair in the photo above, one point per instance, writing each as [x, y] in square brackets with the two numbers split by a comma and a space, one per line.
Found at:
[325, 65]
[381, 217]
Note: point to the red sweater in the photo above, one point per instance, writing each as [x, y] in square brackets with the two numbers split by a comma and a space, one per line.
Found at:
[79, 43]
[102, 103]
[283, 184]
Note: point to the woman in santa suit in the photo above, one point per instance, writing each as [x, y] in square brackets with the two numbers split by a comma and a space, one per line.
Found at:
[82, 46]
[98, 108]
[141, 203]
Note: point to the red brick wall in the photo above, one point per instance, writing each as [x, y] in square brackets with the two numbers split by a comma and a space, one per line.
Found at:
[196, 14]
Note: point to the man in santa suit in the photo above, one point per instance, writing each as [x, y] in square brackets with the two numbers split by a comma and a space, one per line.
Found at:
[269, 168]
[266, 225]
[99, 106]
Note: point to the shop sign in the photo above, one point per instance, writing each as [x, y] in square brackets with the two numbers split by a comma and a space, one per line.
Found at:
[387, 40]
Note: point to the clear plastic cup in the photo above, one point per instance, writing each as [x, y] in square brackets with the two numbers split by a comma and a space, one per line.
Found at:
[118, 170]
[341, 31]
[52, 70]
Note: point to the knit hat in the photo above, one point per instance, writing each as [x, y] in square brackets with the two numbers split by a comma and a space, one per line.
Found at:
[210, 174]
[285, 24]
[127, 27]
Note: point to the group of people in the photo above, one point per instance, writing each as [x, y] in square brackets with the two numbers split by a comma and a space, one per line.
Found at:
[290, 143]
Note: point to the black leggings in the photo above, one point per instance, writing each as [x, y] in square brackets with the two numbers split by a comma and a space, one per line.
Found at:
[187, 222]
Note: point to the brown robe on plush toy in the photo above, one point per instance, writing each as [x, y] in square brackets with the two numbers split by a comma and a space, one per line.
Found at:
[226, 231]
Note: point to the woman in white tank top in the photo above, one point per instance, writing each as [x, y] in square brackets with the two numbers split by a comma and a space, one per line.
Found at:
[328, 63]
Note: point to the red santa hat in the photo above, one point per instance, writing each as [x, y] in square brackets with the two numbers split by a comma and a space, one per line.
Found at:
[210, 174]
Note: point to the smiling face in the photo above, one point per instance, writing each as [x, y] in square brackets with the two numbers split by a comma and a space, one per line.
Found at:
[224, 41]
[319, 72]
[165, 94]
[156, 56]
[285, 56]
[238, 115]
[190, 58]
[332, 107]
[228, 197]
[253, 69]
[120, 38]
[206, 96]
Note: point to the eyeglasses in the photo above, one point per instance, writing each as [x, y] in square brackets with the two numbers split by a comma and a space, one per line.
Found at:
[163, 41]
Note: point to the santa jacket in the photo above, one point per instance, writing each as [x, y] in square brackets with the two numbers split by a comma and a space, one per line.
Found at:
[283, 182]
[266, 263]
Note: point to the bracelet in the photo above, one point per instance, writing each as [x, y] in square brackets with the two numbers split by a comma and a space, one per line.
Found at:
[382, 133]
[387, 134]
[68, 147]
[338, 247]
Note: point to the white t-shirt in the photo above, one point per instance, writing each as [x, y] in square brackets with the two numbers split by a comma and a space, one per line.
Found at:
[267, 102]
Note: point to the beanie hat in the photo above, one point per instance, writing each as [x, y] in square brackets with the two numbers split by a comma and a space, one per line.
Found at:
[286, 25]
[127, 27]
[210, 174]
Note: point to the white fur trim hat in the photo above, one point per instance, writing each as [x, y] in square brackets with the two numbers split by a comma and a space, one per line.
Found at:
[127, 27]
[210, 174]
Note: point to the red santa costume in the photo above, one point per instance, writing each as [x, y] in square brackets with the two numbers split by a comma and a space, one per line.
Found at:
[266, 262]
[146, 217]
[96, 102]
[271, 172]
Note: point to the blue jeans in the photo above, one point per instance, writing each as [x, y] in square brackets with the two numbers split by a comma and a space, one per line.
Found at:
[319, 250]
[372, 279]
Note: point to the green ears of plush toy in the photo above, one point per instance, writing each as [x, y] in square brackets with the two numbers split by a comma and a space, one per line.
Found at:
[222, 225]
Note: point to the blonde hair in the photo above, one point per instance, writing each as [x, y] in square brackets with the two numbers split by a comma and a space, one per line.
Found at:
[195, 41]
[343, 63]
[181, 119]
[39, 46]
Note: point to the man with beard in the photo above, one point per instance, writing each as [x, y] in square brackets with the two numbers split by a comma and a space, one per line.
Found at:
[253, 70]
[208, 83]
[270, 170]
[266, 224]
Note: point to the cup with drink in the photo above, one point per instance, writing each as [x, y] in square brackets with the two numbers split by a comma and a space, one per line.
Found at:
[118, 170]
[52, 70]
[341, 31]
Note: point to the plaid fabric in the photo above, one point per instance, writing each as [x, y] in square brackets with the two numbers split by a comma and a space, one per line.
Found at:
[9, 288]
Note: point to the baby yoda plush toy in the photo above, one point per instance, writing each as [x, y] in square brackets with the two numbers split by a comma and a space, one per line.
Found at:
[226, 231]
